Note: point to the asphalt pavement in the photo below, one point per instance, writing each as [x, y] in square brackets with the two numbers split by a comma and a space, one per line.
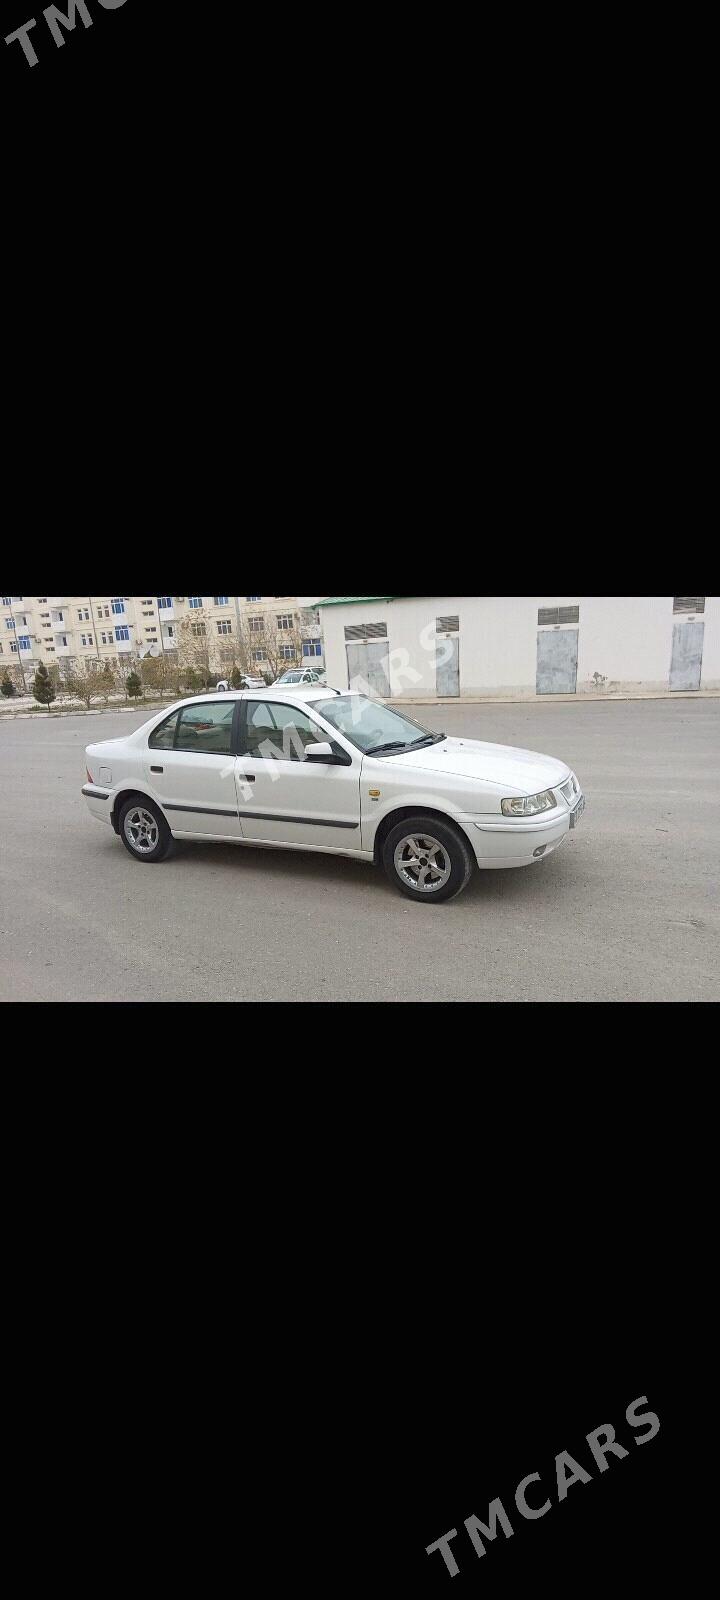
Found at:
[628, 909]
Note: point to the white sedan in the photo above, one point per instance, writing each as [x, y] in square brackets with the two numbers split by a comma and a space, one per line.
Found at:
[296, 675]
[313, 769]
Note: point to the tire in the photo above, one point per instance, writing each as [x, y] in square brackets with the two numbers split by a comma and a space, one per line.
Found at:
[447, 861]
[150, 826]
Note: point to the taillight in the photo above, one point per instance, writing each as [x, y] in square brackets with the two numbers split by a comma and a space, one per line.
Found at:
[90, 777]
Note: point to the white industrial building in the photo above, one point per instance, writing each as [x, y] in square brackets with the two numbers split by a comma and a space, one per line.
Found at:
[521, 646]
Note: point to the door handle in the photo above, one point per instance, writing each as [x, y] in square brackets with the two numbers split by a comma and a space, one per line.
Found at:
[246, 777]
[157, 769]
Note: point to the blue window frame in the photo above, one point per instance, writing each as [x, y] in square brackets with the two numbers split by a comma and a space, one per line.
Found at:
[10, 623]
[221, 599]
[118, 607]
[165, 602]
[122, 633]
[24, 641]
[250, 597]
[312, 647]
[195, 602]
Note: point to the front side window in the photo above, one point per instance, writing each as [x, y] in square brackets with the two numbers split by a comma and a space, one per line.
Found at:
[277, 732]
[195, 602]
[206, 729]
[372, 727]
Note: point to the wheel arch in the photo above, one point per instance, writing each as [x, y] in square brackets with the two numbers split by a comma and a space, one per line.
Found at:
[392, 818]
[132, 793]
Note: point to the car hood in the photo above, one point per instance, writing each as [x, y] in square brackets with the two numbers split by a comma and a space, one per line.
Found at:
[523, 770]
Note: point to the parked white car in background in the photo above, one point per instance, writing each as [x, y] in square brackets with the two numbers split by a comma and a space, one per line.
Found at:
[296, 675]
[315, 769]
[246, 682]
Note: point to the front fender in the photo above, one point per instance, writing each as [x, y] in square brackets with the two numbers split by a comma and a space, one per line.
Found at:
[374, 812]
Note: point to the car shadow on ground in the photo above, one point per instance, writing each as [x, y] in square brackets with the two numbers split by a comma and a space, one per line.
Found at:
[323, 871]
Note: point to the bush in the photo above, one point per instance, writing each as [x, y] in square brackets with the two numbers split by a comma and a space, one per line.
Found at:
[43, 687]
[236, 679]
[133, 686]
[7, 688]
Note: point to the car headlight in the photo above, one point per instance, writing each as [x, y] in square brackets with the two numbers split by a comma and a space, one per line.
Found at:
[529, 805]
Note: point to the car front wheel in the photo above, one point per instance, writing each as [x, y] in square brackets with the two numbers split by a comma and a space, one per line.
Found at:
[144, 831]
[427, 860]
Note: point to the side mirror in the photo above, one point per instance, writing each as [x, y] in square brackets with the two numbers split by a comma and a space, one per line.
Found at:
[319, 752]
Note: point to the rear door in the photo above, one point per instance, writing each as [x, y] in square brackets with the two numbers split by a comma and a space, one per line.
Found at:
[190, 765]
[282, 798]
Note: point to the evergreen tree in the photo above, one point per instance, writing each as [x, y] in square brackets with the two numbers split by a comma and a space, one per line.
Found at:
[7, 687]
[133, 686]
[43, 687]
[236, 679]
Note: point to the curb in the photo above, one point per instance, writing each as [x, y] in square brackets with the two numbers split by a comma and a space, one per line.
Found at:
[552, 699]
[79, 711]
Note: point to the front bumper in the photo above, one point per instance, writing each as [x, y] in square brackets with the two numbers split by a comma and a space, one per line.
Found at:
[524, 842]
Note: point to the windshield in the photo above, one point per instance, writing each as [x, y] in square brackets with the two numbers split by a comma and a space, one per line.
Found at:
[373, 727]
[290, 677]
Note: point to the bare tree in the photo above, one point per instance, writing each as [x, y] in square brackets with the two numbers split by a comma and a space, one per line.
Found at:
[87, 684]
[281, 647]
[194, 642]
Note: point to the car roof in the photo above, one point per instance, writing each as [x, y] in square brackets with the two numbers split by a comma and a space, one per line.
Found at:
[299, 691]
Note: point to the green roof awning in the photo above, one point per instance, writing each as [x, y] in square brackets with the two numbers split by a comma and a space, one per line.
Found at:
[356, 599]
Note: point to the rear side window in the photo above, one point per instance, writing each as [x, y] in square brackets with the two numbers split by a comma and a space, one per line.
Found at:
[206, 729]
[164, 737]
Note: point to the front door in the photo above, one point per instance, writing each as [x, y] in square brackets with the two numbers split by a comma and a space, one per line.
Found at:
[284, 799]
[687, 654]
[557, 660]
[190, 766]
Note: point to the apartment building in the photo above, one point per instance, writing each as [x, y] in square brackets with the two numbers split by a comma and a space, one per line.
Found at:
[72, 629]
[273, 630]
[76, 628]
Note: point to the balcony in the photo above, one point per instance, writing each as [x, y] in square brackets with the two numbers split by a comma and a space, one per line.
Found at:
[62, 649]
[60, 621]
[58, 600]
[19, 603]
[167, 613]
[124, 647]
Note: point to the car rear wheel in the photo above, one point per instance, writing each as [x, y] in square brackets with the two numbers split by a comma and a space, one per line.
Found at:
[427, 860]
[144, 831]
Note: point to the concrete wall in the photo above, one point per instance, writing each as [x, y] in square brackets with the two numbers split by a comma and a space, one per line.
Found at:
[626, 639]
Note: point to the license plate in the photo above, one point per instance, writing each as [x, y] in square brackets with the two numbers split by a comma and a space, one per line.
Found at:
[577, 813]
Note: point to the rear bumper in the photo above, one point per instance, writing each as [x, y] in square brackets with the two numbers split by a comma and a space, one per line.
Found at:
[516, 844]
[99, 801]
